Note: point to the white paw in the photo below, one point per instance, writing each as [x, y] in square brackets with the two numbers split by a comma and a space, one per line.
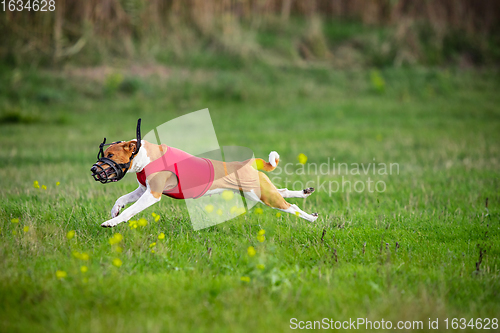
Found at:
[110, 223]
[314, 217]
[307, 191]
[116, 210]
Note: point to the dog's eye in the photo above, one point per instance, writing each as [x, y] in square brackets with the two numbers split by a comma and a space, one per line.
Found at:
[110, 155]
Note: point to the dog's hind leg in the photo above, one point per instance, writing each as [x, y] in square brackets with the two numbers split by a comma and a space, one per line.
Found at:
[286, 193]
[295, 210]
[271, 196]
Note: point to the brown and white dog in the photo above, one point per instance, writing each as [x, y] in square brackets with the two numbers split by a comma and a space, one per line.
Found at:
[156, 184]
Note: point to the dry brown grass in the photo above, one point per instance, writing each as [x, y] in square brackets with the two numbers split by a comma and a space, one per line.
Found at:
[110, 27]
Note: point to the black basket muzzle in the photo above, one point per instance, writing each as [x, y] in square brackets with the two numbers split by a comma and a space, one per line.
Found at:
[108, 170]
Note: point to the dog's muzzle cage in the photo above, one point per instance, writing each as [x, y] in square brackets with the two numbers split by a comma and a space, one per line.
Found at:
[114, 171]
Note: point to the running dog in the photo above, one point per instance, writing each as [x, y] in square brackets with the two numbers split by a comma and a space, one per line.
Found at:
[161, 169]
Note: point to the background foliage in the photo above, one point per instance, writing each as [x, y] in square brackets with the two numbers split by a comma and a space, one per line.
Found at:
[339, 32]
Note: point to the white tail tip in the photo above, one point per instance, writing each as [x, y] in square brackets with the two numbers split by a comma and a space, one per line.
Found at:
[273, 156]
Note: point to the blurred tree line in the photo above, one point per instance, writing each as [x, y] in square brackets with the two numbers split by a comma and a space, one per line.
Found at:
[340, 32]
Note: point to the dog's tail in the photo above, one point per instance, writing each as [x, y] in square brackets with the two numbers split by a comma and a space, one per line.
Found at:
[274, 159]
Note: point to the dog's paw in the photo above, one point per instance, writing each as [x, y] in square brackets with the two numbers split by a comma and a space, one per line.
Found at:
[308, 191]
[109, 224]
[315, 216]
[116, 210]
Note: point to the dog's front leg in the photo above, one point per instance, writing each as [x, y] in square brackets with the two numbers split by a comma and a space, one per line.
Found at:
[147, 199]
[126, 199]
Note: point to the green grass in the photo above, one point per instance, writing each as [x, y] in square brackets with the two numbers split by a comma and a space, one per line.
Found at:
[441, 126]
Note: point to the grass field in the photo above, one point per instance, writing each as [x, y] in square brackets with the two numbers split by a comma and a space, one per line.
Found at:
[426, 247]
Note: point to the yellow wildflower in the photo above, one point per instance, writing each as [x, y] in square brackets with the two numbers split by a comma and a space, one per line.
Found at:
[302, 158]
[44, 187]
[117, 238]
[117, 262]
[58, 183]
[227, 195]
[61, 274]
[259, 210]
[153, 251]
[245, 279]
[152, 244]
[143, 222]
[262, 232]
[219, 212]
[132, 224]
[14, 232]
[261, 266]
[84, 269]
[70, 234]
[251, 251]
[35, 184]
[81, 256]
[261, 238]
[278, 214]
[209, 208]
[16, 220]
[240, 211]
[153, 214]
[157, 218]
[26, 228]
[297, 213]
[118, 249]
[233, 210]
[161, 236]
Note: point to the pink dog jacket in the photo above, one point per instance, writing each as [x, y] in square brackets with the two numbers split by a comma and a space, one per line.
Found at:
[195, 175]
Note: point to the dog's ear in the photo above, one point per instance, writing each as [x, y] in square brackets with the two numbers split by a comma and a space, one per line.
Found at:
[130, 146]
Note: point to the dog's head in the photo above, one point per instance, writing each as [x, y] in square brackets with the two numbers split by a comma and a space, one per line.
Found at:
[113, 164]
